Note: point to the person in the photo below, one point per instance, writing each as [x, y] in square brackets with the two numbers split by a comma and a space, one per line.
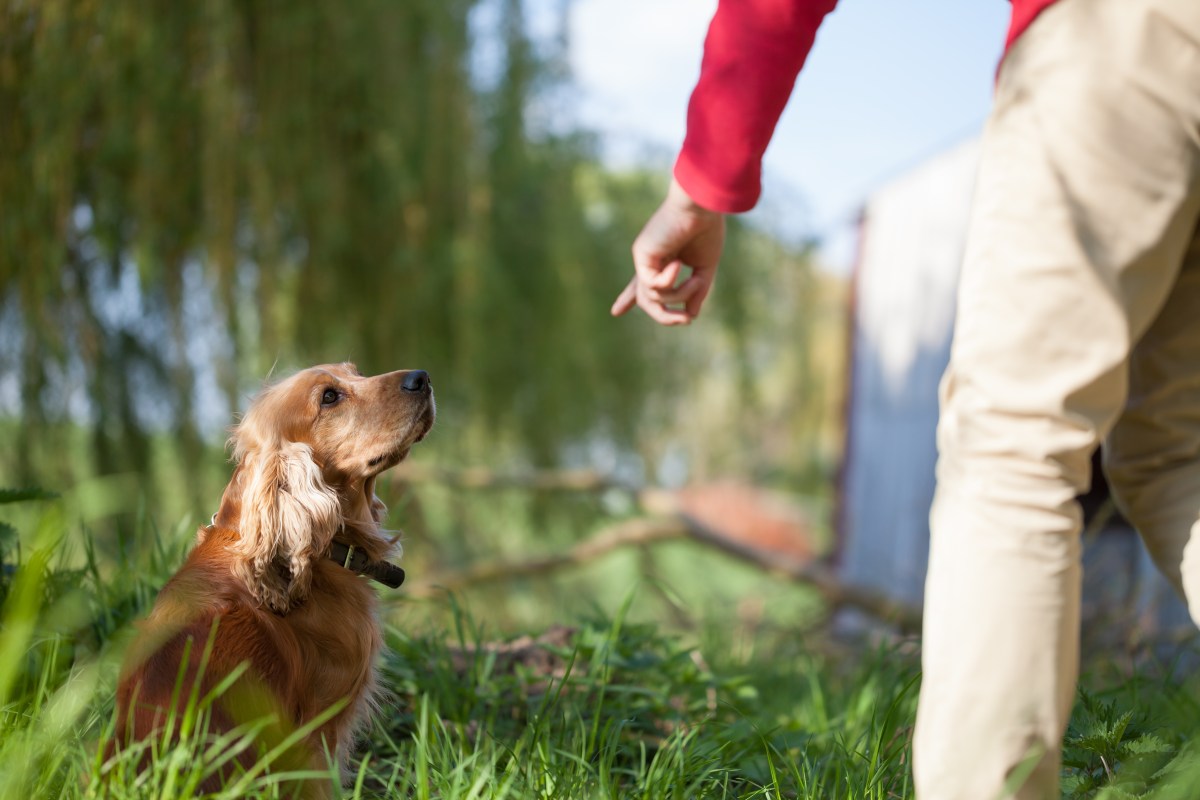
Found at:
[1077, 323]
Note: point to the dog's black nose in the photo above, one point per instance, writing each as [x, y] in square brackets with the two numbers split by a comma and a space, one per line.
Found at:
[416, 380]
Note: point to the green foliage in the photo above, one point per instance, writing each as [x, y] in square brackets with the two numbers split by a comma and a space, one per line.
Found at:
[196, 196]
[24, 495]
[1103, 737]
[9, 541]
[607, 708]
[614, 708]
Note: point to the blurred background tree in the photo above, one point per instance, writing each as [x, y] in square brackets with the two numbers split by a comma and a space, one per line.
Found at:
[194, 196]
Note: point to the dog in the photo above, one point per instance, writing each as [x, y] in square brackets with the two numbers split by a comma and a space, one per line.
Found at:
[276, 581]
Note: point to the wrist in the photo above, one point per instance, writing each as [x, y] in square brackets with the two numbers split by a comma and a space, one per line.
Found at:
[678, 197]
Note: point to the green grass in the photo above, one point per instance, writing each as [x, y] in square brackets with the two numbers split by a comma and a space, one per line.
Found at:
[614, 706]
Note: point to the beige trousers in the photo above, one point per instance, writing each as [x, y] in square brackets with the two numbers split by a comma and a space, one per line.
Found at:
[1078, 320]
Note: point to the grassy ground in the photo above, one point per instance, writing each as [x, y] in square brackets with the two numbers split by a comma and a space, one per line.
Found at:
[608, 706]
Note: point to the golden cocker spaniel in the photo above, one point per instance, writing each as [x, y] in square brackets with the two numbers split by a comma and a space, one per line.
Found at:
[276, 582]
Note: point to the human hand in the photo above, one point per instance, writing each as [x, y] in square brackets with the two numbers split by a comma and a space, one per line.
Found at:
[680, 233]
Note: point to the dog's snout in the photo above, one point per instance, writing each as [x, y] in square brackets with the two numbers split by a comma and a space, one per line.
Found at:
[416, 380]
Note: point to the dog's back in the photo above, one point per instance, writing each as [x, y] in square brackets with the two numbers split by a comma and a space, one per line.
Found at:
[205, 627]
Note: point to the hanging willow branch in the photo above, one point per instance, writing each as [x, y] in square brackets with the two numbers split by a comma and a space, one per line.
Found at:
[191, 193]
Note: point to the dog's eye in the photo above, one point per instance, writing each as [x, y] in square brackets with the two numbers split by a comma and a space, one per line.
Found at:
[330, 397]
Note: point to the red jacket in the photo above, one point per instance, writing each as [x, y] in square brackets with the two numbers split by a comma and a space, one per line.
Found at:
[752, 54]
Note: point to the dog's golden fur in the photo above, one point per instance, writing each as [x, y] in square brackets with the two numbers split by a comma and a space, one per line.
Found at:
[258, 582]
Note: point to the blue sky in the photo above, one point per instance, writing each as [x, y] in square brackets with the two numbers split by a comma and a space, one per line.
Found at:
[888, 83]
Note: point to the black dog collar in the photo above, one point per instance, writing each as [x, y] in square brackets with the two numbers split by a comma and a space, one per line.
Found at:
[358, 562]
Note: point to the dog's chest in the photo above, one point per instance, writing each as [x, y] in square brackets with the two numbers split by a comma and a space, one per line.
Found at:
[338, 636]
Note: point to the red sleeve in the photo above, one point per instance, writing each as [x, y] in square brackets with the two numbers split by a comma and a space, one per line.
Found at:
[753, 52]
[1023, 14]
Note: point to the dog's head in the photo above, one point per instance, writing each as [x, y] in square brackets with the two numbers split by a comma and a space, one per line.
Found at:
[308, 450]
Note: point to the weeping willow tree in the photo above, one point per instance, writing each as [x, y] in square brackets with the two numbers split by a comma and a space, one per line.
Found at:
[195, 194]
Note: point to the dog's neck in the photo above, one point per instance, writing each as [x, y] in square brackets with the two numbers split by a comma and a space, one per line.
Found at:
[361, 513]
[367, 558]
[361, 539]
[357, 561]
[365, 536]
[229, 512]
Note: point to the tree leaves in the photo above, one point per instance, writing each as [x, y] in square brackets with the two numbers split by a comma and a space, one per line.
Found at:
[25, 495]
[196, 196]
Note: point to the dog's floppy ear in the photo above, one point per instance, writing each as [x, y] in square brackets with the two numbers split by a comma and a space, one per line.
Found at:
[288, 517]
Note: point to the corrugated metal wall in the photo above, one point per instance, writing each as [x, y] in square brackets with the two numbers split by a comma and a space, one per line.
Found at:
[905, 283]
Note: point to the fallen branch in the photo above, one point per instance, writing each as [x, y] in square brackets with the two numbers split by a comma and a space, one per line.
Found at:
[640, 532]
[623, 534]
[565, 480]
[817, 575]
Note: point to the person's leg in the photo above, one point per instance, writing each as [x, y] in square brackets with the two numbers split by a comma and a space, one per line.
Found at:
[1085, 202]
[1152, 456]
